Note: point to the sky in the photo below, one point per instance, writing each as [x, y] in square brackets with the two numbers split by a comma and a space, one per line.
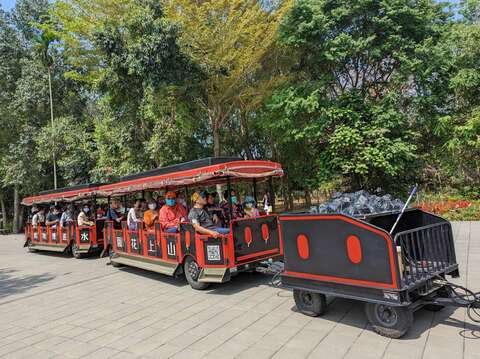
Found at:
[7, 4]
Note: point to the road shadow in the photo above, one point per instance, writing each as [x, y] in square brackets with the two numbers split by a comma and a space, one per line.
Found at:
[424, 320]
[179, 281]
[240, 282]
[11, 284]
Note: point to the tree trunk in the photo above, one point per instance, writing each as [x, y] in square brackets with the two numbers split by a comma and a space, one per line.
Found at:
[216, 138]
[308, 198]
[16, 209]
[20, 218]
[51, 119]
[3, 209]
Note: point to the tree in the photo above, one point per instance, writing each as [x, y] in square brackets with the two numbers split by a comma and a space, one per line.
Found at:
[234, 43]
[354, 80]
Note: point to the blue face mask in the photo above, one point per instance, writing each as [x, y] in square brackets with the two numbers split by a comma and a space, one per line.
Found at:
[234, 199]
[170, 202]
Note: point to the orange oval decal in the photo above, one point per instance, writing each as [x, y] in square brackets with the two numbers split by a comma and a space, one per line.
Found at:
[187, 239]
[354, 249]
[248, 235]
[265, 233]
[303, 246]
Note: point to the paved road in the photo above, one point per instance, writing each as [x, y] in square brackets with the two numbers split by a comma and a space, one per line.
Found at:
[53, 306]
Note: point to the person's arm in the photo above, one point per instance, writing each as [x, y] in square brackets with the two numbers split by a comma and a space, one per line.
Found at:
[51, 223]
[203, 230]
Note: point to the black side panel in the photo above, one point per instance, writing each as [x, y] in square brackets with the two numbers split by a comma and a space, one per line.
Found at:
[338, 248]
[411, 219]
[84, 236]
[187, 238]
[213, 251]
[171, 246]
[135, 243]
[248, 236]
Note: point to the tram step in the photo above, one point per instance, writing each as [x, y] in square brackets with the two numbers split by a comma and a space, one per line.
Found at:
[143, 263]
[51, 248]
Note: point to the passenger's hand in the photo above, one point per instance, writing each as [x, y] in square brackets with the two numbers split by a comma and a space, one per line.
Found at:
[215, 219]
[216, 235]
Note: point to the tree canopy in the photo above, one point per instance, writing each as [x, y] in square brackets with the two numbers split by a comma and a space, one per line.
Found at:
[354, 94]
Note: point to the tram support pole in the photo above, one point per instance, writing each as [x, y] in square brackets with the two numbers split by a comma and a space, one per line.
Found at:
[272, 193]
[255, 190]
[230, 205]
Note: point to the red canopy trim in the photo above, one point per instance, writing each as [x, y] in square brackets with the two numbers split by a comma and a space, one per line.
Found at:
[67, 196]
[236, 170]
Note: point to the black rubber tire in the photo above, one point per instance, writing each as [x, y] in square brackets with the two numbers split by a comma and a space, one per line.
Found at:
[388, 321]
[310, 303]
[192, 271]
[29, 246]
[433, 307]
[110, 255]
[74, 250]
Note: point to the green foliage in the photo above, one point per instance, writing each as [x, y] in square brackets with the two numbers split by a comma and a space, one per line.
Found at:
[346, 93]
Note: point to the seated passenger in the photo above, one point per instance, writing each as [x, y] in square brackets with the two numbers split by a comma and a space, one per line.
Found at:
[38, 218]
[250, 208]
[181, 201]
[53, 217]
[113, 214]
[135, 216]
[83, 220]
[150, 216]
[171, 214]
[237, 209]
[215, 212]
[67, 216]
[200, 219]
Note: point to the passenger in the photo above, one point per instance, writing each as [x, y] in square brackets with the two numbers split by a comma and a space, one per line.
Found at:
[250, 208]
[160, 202]
[237, 209]
[83, 219]
[114, 215]
[172, 214]
[181, 201]
[200, 219]
[53, 217]
[135, 216]
[67, 216]
[216, 213]
[150, 216]
[38, 218]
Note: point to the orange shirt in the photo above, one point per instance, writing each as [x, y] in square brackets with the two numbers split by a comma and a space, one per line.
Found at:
[170, 216]
[148, 219]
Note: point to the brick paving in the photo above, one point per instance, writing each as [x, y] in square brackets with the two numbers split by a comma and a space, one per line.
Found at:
[52, 306]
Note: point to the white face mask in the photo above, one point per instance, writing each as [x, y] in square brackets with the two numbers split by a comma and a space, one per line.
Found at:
[86, 209]
[152, 206]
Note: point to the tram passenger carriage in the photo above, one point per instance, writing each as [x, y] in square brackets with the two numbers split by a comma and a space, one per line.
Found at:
[202, 258]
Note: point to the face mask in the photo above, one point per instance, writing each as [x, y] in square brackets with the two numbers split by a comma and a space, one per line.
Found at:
[234, 199]
[170, 202]
[249, 205]
[86, 209]
[121, 209]
[152, 206]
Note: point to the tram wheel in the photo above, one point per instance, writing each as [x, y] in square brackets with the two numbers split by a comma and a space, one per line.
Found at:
[75, 252]
[29, 246]
[192, 272]
[310, 303]
[391, 322]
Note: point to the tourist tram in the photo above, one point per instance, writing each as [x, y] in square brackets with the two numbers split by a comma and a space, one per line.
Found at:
[77, 240]
[203, 259]
[395, 262]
